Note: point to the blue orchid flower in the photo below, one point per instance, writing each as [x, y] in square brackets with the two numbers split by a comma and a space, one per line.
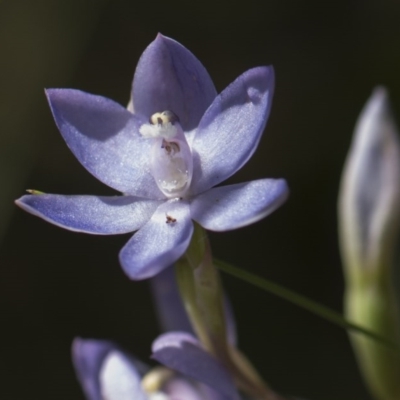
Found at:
[165, 152]
[107, 372]
[189, 372]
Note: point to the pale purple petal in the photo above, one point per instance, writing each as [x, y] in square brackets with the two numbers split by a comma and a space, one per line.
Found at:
[233, 206]
[231, 128]
[169, 77]
[100, 215]
[160, 242]
[88, 356]
[183, 353]
[170, 309]
[105, 138]
[179, 388]
[183, 389]
[119, 379]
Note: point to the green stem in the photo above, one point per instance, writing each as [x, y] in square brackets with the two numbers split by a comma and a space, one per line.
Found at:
[187, 288]
[202, 295]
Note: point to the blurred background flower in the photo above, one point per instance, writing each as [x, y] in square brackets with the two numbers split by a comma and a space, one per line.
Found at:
[55, 285]
[368, 216]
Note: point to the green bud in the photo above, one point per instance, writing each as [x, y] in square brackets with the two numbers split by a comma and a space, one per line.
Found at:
[369, 205]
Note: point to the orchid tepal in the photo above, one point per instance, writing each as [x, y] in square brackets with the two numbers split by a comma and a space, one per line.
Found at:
[108, 373]
[176, 141]
[369, 211]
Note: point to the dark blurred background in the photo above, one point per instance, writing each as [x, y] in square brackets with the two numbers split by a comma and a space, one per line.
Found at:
[56, 285]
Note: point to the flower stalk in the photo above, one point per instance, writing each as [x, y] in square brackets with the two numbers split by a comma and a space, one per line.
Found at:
[201, 290]
[374, 306]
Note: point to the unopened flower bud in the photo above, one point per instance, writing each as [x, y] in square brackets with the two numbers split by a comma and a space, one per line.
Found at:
[370, 192]
[369, 204]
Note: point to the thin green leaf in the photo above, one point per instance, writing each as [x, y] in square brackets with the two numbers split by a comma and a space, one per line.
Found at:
[301, 301]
